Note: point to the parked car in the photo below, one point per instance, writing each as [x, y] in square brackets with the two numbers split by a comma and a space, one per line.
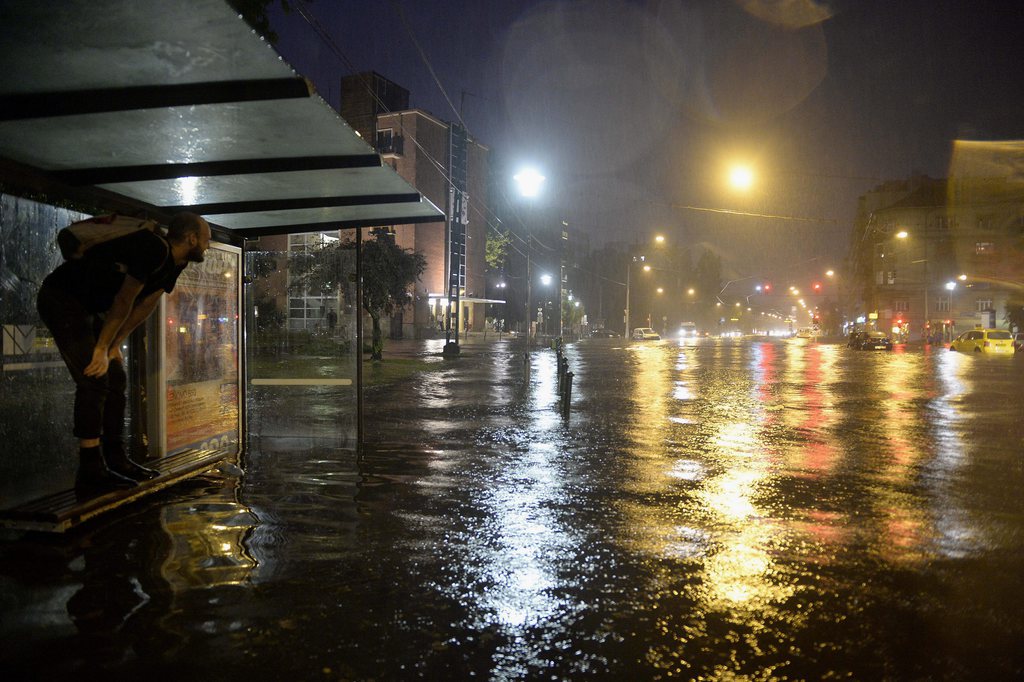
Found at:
[873, 340]
[992, 341]
[1018, 342]
[645, 334]
[602, 333]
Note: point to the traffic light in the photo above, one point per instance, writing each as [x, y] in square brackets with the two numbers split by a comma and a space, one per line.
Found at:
[767, 287]
[817, 286]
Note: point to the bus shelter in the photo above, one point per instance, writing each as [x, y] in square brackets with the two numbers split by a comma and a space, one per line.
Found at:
[152, 108]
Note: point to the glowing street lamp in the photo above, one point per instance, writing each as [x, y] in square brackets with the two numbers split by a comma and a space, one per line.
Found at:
[741, 177]
[529, 182]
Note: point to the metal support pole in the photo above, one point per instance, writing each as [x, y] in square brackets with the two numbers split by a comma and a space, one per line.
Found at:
[529, 292]
[629, 267]
[359, 340]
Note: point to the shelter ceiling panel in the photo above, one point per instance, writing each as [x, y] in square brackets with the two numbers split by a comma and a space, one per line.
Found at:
[333, 217]
[266, 186]
[207, 132]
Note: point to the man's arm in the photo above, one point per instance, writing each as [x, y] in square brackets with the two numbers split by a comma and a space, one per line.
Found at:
[124, 303]
[137, 316]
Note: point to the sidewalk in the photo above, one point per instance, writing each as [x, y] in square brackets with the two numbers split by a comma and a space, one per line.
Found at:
[474, 344]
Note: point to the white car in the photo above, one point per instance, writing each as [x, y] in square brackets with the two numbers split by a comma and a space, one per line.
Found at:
[645, 334]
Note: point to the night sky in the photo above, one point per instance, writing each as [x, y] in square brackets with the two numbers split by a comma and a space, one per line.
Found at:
[635, 110]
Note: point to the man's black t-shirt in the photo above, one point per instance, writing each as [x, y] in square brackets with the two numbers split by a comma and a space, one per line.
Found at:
[96, 278]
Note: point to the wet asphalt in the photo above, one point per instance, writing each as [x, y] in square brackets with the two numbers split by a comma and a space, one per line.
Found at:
[717, 509]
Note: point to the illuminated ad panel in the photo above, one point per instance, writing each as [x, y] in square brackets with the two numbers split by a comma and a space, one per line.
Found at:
[201, 369]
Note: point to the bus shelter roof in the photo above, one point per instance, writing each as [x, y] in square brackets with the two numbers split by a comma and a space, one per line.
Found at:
[166, 106]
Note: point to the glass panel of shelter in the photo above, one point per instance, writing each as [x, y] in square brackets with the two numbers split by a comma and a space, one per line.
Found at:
[301, 348]
[39, 453]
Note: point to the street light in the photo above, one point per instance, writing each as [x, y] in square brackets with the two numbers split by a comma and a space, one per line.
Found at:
[741, 177]
[530, 183]
[658, 239]
[546, 280]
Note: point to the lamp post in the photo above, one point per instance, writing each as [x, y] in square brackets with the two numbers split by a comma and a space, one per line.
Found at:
[629, 268]
[659, 240]
[530, 183]
[545, 279]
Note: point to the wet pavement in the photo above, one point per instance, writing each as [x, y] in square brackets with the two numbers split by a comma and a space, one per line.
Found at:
[729, 509]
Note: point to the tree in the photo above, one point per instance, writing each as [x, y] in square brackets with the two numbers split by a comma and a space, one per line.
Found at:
[1015, 314]
[498, 244]
[388, 272]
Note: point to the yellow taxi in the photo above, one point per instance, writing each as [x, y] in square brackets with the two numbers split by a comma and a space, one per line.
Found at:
[994, 341]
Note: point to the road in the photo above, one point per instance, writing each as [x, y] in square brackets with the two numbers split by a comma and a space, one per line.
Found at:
[727, 509]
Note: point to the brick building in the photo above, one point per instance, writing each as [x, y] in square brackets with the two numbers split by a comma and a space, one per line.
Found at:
[416, 145]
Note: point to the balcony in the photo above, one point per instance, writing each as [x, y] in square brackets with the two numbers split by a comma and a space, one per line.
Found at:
[391, 145]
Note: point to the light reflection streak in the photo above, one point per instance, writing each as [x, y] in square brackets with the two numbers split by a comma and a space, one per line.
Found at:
[904, 522]
[514, 558]
[956, 537]
[209, 542]
[651, 392]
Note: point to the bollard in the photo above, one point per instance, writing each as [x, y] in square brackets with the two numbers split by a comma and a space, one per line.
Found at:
[567, 398]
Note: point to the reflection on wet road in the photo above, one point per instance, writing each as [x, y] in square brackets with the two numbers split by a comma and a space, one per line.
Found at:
[729, 509]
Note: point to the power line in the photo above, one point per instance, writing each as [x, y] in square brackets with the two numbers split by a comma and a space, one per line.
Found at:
[730, 211]
[430, 67]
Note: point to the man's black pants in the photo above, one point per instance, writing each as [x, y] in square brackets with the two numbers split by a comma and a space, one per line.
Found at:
[99, 401]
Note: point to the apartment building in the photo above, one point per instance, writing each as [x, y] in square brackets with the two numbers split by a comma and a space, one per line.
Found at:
[946, 256]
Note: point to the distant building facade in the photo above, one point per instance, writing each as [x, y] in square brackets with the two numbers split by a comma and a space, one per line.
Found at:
[945, 255]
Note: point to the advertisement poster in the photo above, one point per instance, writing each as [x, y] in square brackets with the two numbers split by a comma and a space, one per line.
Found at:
[201, 354]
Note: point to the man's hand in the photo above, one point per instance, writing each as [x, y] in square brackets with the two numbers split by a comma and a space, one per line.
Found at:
[100, 360]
